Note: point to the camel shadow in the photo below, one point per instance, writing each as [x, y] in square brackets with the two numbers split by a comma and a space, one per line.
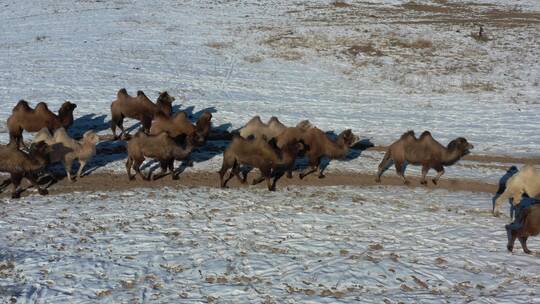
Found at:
[502, 186]
[354, 152]
[87, 122]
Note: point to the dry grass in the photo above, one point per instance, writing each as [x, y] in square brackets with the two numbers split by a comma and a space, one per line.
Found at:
[253, 58]
[218, 45]
[290, 55]
[414, 44]
[366, 49]
[341, 4]
[427, 8]
[478, 86]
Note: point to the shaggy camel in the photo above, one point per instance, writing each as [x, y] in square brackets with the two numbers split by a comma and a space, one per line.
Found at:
[65, 149]
[139, 107]
[23, 165]
[256, 153]
[181, 125]
[23, 117]
[159, 147]
[318, 145]
[527, 180]
[424, 151]
[530, 219]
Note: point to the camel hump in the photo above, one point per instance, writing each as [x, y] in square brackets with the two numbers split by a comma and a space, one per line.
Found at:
[140, 93]
[122, 92]
[255, 119]
[22, 105]
[409, 133]
[273, 119]
[41, 106]
[425, 134]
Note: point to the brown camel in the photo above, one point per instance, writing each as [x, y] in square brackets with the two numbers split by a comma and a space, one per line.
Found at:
[424, 151]
[318, 145]
[21, 165]
[180, 124]
[530, 227]
[24, 118]
[159, 147]
[256, 153]
[139, 107]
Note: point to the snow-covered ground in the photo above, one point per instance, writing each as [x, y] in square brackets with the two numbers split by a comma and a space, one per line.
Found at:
[331, 245]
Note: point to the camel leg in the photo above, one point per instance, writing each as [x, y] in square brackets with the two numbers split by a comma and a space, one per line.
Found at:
[267, 172]
[137, 167]
[16, 181]
[313, 164]
[500, 200]
[82, 163]
[67, 166]
[511, 238]
[425, 170]
[129, 164]
[523, 241]
[224, 168]
[236, 172]
[117, 121]
[321, 169]
[4, 184]
[33, 181]
[171, 168]
[440, 172]
[385, 163]
[258, 180]
[400, 170]
[163, 164]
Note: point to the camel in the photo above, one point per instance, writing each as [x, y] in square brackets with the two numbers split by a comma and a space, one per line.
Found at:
[65, 149]
[159, 147]
[318, 145]
[527, 180]
[256, 153]
[424, 151]
[24, 118]
[138, 107]
[23, 165]
[180, 124]
[530, 219]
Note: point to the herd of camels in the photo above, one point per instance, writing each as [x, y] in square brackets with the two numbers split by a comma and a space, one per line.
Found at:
[270, 147]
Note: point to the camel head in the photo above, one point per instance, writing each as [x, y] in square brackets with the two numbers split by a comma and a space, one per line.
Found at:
[164, 102]
[40, 149]
[90, 137]
[460, 144]
[67, 108]
[348, 137]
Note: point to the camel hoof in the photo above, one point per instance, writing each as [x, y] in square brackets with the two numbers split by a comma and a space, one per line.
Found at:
[406, 182]
[510, 248]
[434, 181]
[43, 191]
[377, 180]
[322, 176]
[301, 176]
[423, 182]
[131, 178]
[496, 214]
[527, 251]
[16, 195]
